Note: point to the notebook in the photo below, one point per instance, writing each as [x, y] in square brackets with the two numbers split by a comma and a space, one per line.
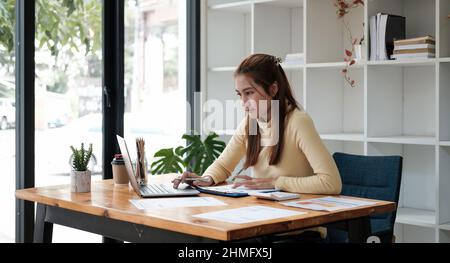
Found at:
[228, 190]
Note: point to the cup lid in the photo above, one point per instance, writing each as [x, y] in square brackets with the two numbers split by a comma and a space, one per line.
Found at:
[118, 159]
[119, 162]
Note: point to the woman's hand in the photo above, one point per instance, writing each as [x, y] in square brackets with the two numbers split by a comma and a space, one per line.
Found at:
[256, 183]
[206, 180]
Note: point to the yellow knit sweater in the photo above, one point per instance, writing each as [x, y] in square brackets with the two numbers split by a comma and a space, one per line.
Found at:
[305, 166]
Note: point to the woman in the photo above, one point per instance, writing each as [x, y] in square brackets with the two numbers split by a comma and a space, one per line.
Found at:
[284, 150]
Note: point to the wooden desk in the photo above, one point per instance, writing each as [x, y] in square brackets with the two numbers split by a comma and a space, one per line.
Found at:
[106, 211]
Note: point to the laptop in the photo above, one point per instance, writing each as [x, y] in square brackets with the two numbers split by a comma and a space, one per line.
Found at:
[150, 190]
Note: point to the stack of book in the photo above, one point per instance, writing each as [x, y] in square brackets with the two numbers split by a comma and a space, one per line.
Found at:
[295, 59]
[420, 47]
[384, 30]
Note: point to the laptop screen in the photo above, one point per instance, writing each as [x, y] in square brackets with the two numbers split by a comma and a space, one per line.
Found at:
[128, 165]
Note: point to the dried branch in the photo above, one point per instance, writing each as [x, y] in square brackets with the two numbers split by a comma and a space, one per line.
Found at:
[343, 8]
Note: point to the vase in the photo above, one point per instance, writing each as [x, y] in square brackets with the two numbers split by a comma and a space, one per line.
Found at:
[360, 52]
[80, 181]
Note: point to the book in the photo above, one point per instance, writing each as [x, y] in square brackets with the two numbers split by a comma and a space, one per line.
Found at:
[417, 40]
[413, 56]
[395, 29]
[294, 56]
[228, 190]
[373, 38]
[384, 30]
[413, 46]
[415, 51]
[295, 59]
[382, 24]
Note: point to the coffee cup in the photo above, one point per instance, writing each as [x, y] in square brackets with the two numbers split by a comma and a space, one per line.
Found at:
[119, 171]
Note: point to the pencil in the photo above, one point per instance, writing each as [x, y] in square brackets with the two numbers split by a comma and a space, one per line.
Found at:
[236, 174]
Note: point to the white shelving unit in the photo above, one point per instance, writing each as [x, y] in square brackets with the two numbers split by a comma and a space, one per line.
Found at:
[397, 107]
[236, 29]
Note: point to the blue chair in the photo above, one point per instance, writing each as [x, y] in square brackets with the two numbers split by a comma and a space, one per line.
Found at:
[374, 177]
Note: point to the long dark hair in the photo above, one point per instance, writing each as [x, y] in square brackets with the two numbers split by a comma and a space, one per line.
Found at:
[265, 70]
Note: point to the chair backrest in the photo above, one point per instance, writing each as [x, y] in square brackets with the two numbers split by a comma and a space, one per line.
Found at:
[374, 177]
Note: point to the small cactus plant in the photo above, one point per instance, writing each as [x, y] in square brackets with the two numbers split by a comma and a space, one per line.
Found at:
[81, 158]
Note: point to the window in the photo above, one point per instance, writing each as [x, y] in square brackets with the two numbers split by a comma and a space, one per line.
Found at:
[155, 86]
[68, 93]
[7, 120]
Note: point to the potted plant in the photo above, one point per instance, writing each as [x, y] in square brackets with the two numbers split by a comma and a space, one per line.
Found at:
[80, 176]
[196, 157]
[355, 53]
[359, 50]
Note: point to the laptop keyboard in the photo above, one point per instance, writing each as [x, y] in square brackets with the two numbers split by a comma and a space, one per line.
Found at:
[154, 189]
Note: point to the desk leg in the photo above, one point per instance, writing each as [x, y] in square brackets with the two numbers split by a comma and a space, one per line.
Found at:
[359, 230]
[43, 230]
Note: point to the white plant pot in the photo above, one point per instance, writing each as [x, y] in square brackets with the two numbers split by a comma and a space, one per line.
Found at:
[359, 53]
[80, 182]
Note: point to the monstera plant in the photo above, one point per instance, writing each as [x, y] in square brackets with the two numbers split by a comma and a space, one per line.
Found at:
[196, 157]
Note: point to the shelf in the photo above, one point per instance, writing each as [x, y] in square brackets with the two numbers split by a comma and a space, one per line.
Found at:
[444, 28]
[326, 37]
[245, 6]
[445, 226]
[223, 69]
[293, 67]
[228, 37]
[286, 3]
[417, 140]
[398, 107]
[334, 65]
[405, 233]
[238, 6]
[268, 19]
[221, 87]
[335, 107]
[416, 217]
[444, 182]
[401, 101]
[444, 102]
[351, 147]
[444, 143]
[404, 63]
[350, 137]
[420, 15]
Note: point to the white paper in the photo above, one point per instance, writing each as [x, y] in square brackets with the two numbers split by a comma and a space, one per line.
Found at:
[176, 202]
[328, 203]
[241, 189]
[249, 214]
[373, 38]
[382, 32]
[378, 35]
[277, 196]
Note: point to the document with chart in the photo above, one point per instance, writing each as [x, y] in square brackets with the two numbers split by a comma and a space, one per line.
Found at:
[248, 214]
[176, 202]
[328, 203]
[228, 190]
